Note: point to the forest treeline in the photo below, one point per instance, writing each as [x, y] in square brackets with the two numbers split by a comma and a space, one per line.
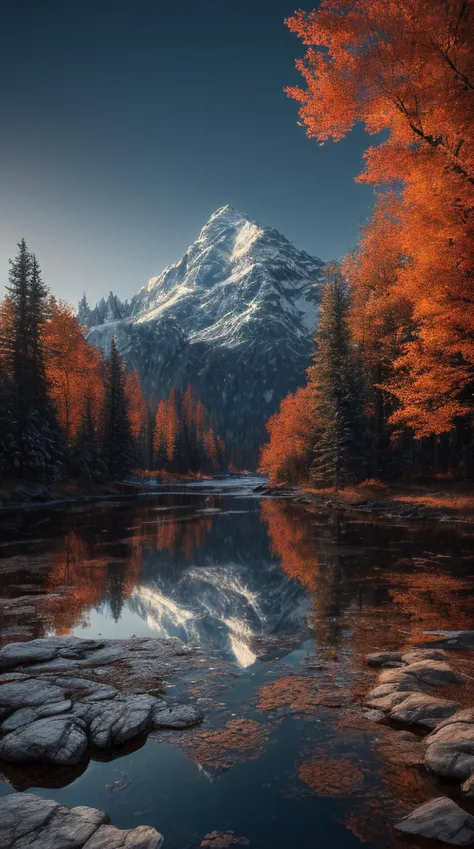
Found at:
[68, 411]
[391, 391]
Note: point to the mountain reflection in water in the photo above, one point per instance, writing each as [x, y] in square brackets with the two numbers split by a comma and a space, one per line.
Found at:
[233, 574]
[309, 594]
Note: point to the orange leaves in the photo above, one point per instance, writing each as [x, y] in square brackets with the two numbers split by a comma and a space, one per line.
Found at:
[74, 370]
[406, 68]
[285, 457]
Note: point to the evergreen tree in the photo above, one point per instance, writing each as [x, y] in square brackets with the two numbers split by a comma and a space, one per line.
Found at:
[118, 449]
[86, 459]
[339, 449]
[37, 437]
[84, 312]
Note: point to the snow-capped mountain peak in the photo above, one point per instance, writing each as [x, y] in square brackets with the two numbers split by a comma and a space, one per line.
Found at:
[235, 317]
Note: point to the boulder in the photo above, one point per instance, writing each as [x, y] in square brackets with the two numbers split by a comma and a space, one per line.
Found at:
[28, 821]
[382, 657]
[108, 837]
[29, 693]
[421, 709]
[176, 716]
[24, 716]
[56, 739]
[439, 819]
[450, 747]
[115, 722]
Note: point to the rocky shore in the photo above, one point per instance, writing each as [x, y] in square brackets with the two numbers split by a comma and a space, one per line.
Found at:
[61, 697]
[407, 695]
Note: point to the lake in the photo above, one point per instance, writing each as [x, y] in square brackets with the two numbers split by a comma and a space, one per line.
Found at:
[291, 599]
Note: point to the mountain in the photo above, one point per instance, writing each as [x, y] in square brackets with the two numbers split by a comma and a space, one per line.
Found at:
[235, 317]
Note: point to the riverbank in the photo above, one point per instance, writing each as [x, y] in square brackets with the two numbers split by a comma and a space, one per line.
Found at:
[443, 500]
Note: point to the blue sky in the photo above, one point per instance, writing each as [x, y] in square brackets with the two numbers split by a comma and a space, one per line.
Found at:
[126, 124]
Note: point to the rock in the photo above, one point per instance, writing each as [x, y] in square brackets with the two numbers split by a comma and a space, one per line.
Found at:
[57, 739]
[454, 639]
[416, 655]
[468, 787]
[28, 821]
[176, 716]
[374, 715]
[108, 837]
[440, 819]
[382, 657]
[82, 688]
[430, 672]
[450, 748]
[29, 693]
[421, 709]
[386, 703]
[118, 721]
[24, 716]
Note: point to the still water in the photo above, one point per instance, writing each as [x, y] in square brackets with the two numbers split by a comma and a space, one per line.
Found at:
[292, 600]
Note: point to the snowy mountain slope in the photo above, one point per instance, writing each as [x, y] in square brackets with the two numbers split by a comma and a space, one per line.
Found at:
[235, 318]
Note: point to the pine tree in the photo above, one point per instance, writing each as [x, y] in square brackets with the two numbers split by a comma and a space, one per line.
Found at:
[118, 449]
[84, 312]
[339, 450]
[86, 459]
[38, 441]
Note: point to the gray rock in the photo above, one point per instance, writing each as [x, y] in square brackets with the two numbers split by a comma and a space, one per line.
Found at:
[29, 822]
[118, 721]
[82, 688]
[24, 716]
[16, 654]
[29, 693]
[440, 819]
[450, 748]
[430, 672]
[108, 837]
[385, 703]
[382, 657]
[374, 715]
[421, 709]
[176, 716]
[417, 655]
[57, 739]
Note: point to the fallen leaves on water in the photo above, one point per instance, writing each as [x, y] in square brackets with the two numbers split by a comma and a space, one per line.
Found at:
[338, 777]
[299, 694]
[222, 840]
[239, 740]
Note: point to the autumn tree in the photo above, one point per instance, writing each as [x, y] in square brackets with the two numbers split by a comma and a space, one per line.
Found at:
[74, 371]
[407, 68]
[287, 456]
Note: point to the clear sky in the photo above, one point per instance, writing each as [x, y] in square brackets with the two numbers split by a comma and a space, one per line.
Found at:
[126, 123]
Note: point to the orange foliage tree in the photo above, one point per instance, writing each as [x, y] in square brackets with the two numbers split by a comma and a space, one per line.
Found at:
[407, 68]
[74, 371]
[286, 457]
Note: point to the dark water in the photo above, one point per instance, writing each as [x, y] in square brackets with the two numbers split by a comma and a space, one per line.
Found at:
[263, 584]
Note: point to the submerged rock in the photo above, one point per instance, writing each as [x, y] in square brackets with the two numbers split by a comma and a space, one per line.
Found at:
[29, 821]
[176, 716]
[440, 819]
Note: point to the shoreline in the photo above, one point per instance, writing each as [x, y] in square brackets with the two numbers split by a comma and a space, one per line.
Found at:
[442, 500]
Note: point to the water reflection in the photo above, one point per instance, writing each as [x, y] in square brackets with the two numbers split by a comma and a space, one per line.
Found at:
[232, 574]
[309, 594]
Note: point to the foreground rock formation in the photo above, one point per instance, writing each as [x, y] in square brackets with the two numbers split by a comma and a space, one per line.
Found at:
[406, 694]
[29, 821]
[57, 699]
